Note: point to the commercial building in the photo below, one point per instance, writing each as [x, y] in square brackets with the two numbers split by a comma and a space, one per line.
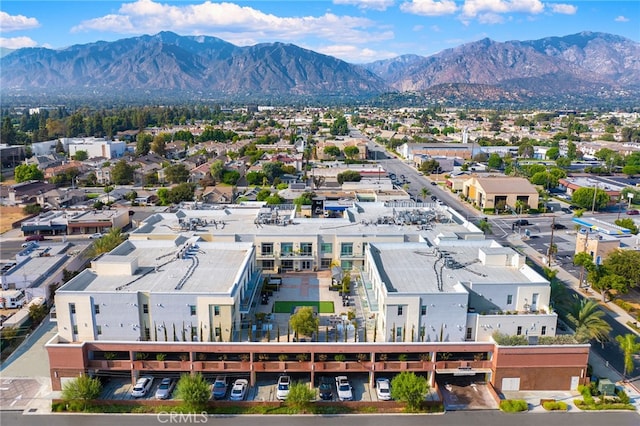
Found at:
[426, 283]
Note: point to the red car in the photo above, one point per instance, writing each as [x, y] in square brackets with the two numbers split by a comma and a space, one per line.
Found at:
[35, 238]
[633, 212]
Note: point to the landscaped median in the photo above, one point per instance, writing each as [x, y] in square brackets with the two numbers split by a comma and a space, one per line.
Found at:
[594, 400]
[514, 405]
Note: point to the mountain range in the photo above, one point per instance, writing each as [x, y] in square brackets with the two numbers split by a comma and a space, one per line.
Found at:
[584, 65]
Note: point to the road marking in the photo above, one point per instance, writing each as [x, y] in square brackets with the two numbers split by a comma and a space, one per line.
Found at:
[18, 398]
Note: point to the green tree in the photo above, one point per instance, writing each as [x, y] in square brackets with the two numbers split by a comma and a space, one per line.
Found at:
[587, 320]
[159, 146]
[631, 170]
[304, 322]
[143, 143]
[584, 260]
[571, 151]
[424, 191]
[274, 199]
[8, 132]
[627, 223]
[163, 196]
[563, 162]
[410, 389]
[80, 391]
[182, 192]
[430, 166]
[339, 127]
[24, 173]
[625, 263]
[332, 151]
[583, 197]
[255, 178]
[176, 173]
[494, 161]
[217, 170]
[107, 243]
[122, 173]
[32, 209]
[231, 177]
[305, 199]
[300, 396]
[553, 153]
[37, 312]
[194, 391]
[484, 226]
[351, 151]
[607, 282]
[349, 176]
[629, 347]
[81, 155]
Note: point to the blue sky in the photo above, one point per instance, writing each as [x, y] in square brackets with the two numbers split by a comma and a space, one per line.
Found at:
[357, 31]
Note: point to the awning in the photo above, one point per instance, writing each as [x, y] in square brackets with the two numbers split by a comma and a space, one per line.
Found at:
[36, 228]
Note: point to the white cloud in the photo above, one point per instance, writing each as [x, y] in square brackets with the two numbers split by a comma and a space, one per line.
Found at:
[17, 42]
[10, 23]
[621, 19]
[472, 8]
[429, 7]
[354, 54]
[435, 28]
[233, 23]
[565, 9]
[490, 18]
[368, 4]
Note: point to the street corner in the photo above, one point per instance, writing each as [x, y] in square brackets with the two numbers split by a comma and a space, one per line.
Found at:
[16, 394]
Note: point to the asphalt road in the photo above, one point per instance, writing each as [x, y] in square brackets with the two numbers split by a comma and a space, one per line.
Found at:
[458, 418]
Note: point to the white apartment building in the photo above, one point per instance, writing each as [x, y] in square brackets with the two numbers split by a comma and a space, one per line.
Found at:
[425, 273]
[95, 147]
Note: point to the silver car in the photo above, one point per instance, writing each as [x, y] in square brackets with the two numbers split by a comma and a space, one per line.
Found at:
[165, 388]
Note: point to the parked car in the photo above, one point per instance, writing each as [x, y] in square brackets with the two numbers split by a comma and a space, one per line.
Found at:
[29, 244]
[566, 210]
[434, 183]
[36, 237]
[434, 198]
[96, 236]
[239, 390]
[142, 387]
[521, 222]
[326, 389]
[344, 388]
[165, 389]
[283, 387]
[383, 389]
[219, 388]
[633, 212]
[558, 226]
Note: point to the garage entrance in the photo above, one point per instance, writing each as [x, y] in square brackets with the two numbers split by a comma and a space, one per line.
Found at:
[467, 392]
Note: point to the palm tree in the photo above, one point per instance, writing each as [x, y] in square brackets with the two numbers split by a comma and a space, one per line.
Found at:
[629, 347]
[424, 191]
[587, 321]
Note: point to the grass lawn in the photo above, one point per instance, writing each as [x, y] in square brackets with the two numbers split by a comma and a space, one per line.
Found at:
[287, 307]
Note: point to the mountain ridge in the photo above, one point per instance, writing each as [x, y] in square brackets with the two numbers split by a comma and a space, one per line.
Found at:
[576, 64]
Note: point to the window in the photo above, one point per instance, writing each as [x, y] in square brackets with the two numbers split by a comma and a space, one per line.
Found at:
[469, 333]
[423, 330]
[98, 330]
[147, 334]
[305, 265]
[72, 308]
[96, 309]
[399, 310]
[75, 329]
[509, 299]
[216, 310]
[346, 249]
[346, 265]
[325, 263]
[326, 248]
[306, 249]
[286, 248]
[543, 331]
[266, 249]
[398, 332]
[192, 309]
[519, 332]
[423, 310]
[145, 308]
[267, 265]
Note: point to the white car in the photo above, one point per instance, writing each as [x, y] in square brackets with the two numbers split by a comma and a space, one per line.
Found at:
[165, 388]
[142, 387]
[344, 388]
[383, 389]
[283, 387]
[96, 236]
[239, 390]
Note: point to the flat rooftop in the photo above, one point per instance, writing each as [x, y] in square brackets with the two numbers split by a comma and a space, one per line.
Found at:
[424, 268]
[210, 267]
[244, 222]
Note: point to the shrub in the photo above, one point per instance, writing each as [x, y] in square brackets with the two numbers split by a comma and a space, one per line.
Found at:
[623, 398]
[555, 406]
[513, 405]
[80, 391]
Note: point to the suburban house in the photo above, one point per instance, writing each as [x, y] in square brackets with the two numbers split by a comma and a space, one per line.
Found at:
[500, 193]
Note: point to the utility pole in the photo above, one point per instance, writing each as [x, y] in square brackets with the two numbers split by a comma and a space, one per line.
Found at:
[595, 192]
[550, 251]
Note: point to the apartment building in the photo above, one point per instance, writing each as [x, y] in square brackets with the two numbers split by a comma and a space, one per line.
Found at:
[188, 285]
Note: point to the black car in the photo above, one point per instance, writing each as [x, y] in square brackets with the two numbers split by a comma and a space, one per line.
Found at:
[434, 198]
[326, 389]
[558, 226]
[566, 210]
[521, 222]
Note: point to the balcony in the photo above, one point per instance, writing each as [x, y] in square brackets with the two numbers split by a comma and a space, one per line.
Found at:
[462, 367]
